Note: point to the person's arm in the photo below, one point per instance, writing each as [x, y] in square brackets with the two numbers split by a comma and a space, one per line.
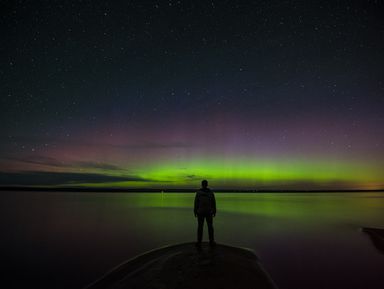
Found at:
[196, 205]
[213, 204]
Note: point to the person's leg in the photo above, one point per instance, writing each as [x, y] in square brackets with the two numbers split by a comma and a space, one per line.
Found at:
[200, 225]
[210, 228]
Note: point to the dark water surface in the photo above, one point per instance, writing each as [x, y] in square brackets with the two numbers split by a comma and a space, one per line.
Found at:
[66, 240]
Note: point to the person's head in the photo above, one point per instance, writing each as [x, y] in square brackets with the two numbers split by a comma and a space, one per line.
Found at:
[204, 183]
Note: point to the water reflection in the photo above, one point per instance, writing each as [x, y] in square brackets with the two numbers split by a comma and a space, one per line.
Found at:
[66, 240]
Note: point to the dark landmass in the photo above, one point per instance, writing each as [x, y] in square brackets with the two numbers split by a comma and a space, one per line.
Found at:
[159, 190]
[377, 237]
[188, 267]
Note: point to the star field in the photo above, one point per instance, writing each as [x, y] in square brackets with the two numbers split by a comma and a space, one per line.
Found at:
[163, 93]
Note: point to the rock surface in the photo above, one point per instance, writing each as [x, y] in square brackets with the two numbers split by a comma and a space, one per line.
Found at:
[185, 266]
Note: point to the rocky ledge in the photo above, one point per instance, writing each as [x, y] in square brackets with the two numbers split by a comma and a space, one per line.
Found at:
[187, 266]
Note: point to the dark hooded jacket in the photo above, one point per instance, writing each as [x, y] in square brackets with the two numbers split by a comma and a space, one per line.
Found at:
[205, 203]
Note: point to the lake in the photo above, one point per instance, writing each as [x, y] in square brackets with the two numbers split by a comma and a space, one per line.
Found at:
[304, 240]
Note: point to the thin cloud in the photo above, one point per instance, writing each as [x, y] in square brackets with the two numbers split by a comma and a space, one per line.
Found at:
[32, 178]
[97, 165]
[38, 160]
[52, 162]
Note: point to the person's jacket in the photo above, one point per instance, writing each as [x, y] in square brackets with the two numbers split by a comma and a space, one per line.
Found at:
[205, 203]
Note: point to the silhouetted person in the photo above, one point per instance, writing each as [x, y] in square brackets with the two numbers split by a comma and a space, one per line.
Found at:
[205, 208]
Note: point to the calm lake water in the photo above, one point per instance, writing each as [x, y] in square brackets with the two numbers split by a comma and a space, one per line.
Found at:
[66, 240]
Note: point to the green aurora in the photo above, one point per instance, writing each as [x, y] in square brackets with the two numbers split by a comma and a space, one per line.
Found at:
[254, 175]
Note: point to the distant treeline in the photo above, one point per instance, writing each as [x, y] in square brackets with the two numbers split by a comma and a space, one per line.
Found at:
[156, 190]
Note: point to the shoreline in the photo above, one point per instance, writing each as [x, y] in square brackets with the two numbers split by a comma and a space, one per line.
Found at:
[155, 190]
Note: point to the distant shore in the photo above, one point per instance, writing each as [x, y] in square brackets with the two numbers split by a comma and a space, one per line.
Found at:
[159, 190]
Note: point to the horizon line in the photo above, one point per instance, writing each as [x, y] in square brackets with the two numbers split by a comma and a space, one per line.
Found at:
[171, 190]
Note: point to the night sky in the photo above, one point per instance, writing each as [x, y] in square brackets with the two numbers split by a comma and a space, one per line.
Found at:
[161, 94]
